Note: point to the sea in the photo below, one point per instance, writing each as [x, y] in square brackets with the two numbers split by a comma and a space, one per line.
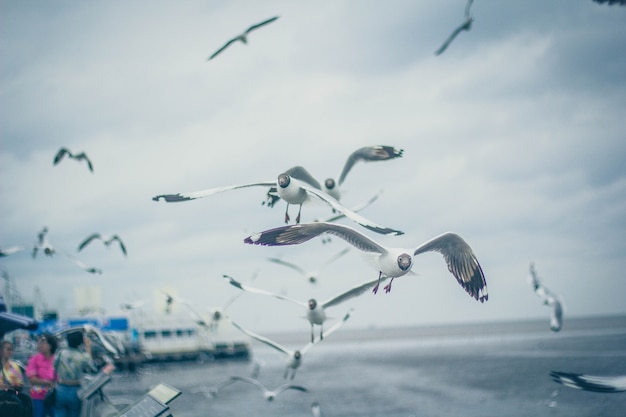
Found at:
[487, 369]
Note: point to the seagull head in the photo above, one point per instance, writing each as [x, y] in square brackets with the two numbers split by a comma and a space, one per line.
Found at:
[330, 184]
[284, 180]
[297, 355]
[404, 261]
[312, 304]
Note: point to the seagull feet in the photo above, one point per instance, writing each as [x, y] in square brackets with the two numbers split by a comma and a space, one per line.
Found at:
[388, 286]
[286, 218]
[375, 289]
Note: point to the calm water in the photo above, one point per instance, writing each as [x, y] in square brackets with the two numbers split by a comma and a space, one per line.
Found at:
[473, 370]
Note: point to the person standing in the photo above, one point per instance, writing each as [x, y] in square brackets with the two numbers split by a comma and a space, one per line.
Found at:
[70, 364]
[41, 374]
[11, 383]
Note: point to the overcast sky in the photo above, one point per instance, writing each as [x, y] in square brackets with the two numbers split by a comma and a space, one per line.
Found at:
[513, 138]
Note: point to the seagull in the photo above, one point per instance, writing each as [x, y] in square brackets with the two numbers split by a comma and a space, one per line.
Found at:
[294, 357]
[269, 395]
[310, 275]
[315, 311]
[548, 298]
[591, 382]
[107, 240]
[316, 409]
[211, 392]
[132, 306]
[243, 37]
[391, 262]
[80, 156]
[170, 299]
[10, 250]
[366, 154]
[295, 186]
[82, 265]
[43, 244]
[466, 25]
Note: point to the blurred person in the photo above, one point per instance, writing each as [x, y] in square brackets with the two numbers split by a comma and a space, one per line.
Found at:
[14, 402]
[70, 364]
[41, 374]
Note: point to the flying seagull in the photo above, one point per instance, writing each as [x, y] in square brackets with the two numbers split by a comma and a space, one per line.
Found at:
[315, 311]
[311, 276]
[107, 240]
[268, 394]
[466, 25]
[82, 265]
[392, 262]
[295, 186]
[591, 382]
[43, 244]
[243, 37]
[80, 156]
[365, 154]
[294, 357]
[548, 298]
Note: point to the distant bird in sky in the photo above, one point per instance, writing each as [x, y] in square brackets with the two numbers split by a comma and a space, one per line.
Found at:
[10, 250]
[243, 37]
[43, 244]
[591, 382]
[391, 262]
[82, 265]
[466, 25]
[268, 394]
[293, 190]
[135, 305]
[294, 357]
[315, 311]
[365, 154]
[312, 275]
[107, 240]
[79, 157]
[548, 298]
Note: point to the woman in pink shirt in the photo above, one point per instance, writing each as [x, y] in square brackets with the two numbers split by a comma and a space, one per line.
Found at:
[41, 374]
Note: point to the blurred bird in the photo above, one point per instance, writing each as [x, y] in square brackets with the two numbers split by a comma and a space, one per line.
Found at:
[211, 391]
[466, 25]
[43, 244]
[268, 394]
[243, 37]
[79, 157]
[315, 311]
[591, 382]
[316, 409]
[107, 240]
[82, 265]
[548, 298]
[294, 357]
[365, 154]
[391, 262]
[296, 186]
[311, 276]
[10, 250]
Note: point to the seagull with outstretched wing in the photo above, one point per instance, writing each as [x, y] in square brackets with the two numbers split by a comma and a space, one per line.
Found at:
[548, 298]
[268, 394]
[82, 156]
[365, 154]
[392, 262]
[243, 37]
[591, 382]
[295, 186]
[315, 311]
[294, 357]
[466, 25]
[107, 240]
[10, 250]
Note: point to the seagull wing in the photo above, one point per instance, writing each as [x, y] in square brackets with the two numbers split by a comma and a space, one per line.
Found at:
[368, 154]
[368, 224]
[82, 265]
[288, 265]
[10, 250]
[122, 246]
[263, 23]
[84, 156]
[351, 293]
[262, 339]
[299, 233]
[60, 154]
[448, 41]
[285, 387]
[590, 382]
[461, 261]
[300, 173]
[242, 287]
[468, 5]
[355, 209]
[172, 198]
[226, 45]
[88, 240]
[252, 381]
[556, 317]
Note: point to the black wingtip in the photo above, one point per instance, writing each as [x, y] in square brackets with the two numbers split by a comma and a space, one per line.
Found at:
[171, 198]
